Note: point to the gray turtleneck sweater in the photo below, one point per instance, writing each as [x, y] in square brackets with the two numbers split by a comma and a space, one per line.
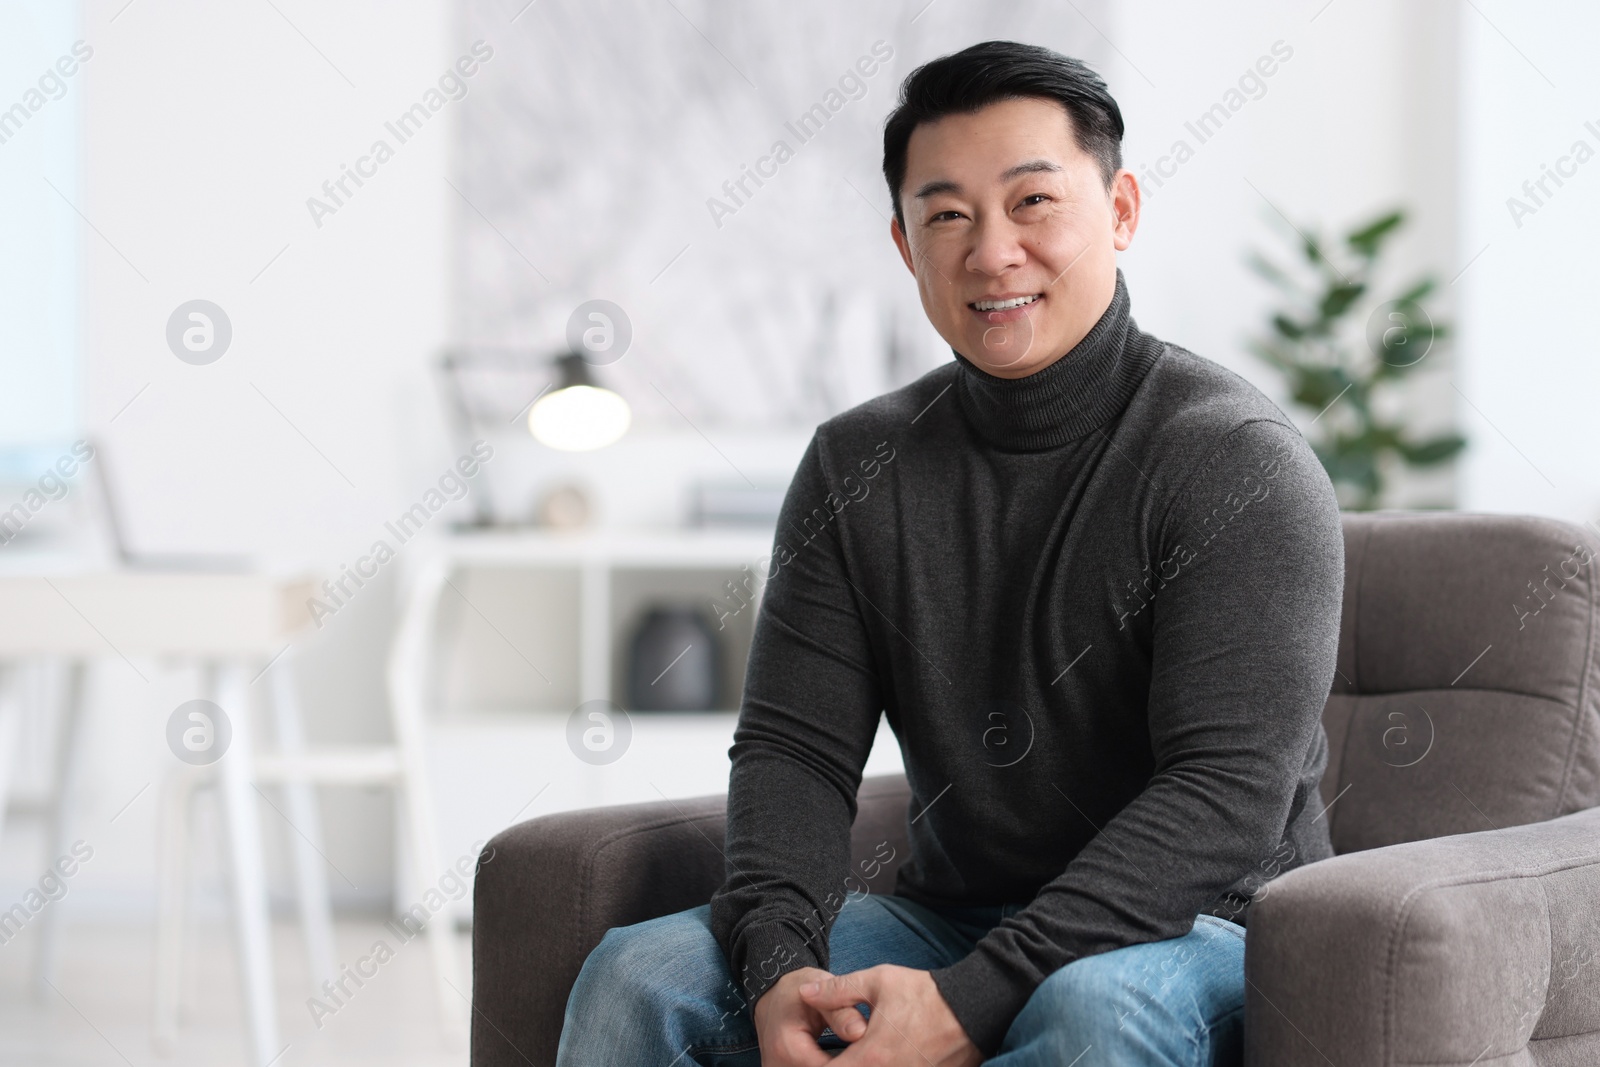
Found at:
[1100, 607]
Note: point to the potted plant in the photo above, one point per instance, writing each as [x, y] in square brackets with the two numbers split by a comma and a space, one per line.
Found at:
[1339, 375]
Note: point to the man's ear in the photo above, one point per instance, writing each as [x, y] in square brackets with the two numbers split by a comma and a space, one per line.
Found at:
[1125, 200]
[902, 244]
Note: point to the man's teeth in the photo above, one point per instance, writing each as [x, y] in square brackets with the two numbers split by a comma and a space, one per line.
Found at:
[1004, 305]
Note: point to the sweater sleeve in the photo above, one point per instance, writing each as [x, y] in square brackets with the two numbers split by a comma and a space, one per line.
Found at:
[1244, 639]
[807, 720]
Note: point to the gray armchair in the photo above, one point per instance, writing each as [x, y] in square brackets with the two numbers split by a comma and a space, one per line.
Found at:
[1459, 924]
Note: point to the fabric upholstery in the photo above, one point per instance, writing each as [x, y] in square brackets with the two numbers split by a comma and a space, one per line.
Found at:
[1478, 949]
[1465, 703]
[1468, 690]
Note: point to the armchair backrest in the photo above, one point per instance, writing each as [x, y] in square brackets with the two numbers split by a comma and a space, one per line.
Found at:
[1468, 691]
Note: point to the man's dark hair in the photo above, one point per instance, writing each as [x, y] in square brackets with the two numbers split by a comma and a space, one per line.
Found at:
[986, 73]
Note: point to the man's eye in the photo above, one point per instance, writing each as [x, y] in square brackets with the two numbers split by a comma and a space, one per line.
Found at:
[1028, 201]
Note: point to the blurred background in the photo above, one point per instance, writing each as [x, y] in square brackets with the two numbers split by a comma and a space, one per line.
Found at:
[320, 565]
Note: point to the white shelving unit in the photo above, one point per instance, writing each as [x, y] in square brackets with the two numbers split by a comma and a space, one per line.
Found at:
[509, 632]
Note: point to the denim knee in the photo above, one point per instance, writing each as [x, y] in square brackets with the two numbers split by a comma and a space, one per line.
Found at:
[654, 987]
[1176, 1002]
[1096, 1005]
[647, 956]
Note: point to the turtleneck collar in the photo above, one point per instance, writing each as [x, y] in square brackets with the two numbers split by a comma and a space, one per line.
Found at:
[1071, 397]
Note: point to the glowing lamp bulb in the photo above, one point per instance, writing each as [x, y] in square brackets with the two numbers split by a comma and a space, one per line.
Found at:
[579, 418]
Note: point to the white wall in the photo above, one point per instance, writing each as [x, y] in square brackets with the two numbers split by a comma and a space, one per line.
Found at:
[1529, 346]
[1359, 118]
[206, 128]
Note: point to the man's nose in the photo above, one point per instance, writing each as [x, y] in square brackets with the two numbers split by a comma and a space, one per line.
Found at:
[996, 247]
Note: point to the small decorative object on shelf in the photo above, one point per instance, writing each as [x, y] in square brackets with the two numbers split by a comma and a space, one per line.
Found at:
[563, 507]
[718, 503]
[674, 661]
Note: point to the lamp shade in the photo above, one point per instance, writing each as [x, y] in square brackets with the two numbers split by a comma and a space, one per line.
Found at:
[578, 416]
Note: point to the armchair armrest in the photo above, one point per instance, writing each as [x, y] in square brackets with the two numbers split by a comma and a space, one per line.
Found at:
[548, 889]
[1453, 951]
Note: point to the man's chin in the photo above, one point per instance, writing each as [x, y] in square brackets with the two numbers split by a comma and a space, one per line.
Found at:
[1003, 360]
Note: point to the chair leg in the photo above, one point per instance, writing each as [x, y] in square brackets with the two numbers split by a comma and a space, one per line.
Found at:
[247, 868]
[311, 876]
[66, 775]
[426, 867]
[406, 685]
[172, 898]
[10, 727]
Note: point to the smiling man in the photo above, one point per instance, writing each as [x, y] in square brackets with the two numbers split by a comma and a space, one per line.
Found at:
[1097, 596]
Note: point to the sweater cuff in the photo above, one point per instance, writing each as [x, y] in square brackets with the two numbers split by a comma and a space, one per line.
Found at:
[767, 952]
[984, 996]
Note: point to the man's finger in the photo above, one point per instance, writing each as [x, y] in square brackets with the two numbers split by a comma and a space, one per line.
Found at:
[840, 991]
[848, 1023]
[798, 1048]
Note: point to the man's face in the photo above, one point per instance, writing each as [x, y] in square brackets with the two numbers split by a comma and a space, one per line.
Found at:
[1012, 233]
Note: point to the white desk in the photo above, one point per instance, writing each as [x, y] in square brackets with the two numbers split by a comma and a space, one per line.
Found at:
[191, 616]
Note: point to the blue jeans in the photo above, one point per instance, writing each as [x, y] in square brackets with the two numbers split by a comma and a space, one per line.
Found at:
[659, 994]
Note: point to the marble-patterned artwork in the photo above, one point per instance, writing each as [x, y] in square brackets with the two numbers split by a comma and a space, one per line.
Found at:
[615, 149]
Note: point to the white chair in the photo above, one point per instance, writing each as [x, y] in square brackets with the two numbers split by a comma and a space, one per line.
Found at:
[67, 680]
[178, 790]
[298, 769]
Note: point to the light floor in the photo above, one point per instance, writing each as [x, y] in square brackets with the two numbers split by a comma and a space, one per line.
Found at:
[102, 1015]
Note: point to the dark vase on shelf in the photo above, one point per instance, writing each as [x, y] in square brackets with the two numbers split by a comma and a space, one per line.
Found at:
[674, 661]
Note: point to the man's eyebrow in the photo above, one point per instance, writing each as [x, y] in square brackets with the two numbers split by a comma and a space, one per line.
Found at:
[934, 188]
[1031, 166]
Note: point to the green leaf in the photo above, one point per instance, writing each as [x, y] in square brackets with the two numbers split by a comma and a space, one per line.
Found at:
[1315, 396]
[1352, 468]
[1386, 437]
[1405, 344]
[1434, 451]
[1339, 298]
[1415, 294]
[1312, 248]
[1384, 371]
[1288, 327]
[1367, 239]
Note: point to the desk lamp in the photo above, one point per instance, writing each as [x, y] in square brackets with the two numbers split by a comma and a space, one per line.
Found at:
[578, 415]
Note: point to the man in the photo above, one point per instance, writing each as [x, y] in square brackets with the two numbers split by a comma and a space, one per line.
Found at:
[1094, 582]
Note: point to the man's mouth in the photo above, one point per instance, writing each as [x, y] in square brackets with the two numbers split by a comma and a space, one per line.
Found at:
[1006, 304]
